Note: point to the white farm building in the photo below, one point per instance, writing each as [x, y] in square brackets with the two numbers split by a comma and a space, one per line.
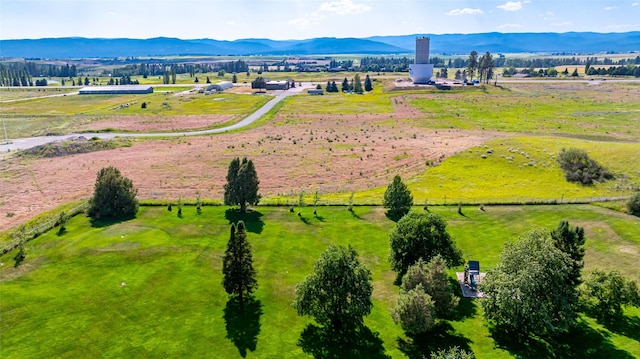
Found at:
[116, 90]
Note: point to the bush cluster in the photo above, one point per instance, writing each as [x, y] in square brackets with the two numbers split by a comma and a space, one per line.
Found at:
[578, 167]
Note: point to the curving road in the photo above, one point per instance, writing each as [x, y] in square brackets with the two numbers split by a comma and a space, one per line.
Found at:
[25, 143]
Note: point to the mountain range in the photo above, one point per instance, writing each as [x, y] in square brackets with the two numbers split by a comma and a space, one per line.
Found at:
[566, 43]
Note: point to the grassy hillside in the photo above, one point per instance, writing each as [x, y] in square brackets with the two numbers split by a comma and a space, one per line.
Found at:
[151, 287]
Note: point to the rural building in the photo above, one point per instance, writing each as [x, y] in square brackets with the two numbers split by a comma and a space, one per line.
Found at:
[315, 92]
[278, 85]
[116, 90]
[421, 71]
[220, 86]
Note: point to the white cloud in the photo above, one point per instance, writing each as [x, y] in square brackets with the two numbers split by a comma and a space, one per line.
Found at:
[231, 23]
[509, 26]
[635, 4]
[609, 8]
[465, 11]
[304, 22]
[111, 13]
[344, 7]
[511, 6]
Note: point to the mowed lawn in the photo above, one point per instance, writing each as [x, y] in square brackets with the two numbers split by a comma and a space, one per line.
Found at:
[151, 287]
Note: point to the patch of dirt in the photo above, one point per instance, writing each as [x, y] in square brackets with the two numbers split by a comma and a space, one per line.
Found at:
[328, 153]
[148, 123]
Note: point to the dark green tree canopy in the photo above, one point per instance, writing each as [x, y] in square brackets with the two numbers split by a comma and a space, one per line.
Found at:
[421, 236]
[242, 184]
[633, 205]
[338, 292]
[237, 264]
[528, 291]
[397, 198]
[114, 196]
[571, 241]
[368, 85]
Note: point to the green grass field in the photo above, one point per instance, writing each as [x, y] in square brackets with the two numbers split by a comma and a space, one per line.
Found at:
[581, 109]
[151, 287]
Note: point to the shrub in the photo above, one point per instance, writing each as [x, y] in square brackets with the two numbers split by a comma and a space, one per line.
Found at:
[633, 205]
[606, 292]
[578, 167]
[114, 195]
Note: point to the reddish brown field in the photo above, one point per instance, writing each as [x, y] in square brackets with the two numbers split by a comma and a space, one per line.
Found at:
[157, 123]
[328, 153]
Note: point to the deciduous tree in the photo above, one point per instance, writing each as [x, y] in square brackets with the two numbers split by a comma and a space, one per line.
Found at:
[607, 292]
[338, 292]
[415, 311]
[528, 291]
[434, 280]
[357, 84]
[421, 236]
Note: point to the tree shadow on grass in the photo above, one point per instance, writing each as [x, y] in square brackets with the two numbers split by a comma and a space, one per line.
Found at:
[354, 214]
[467, 308]
[581, 341]
[106, 222]
[355, 342]
[441, 337]
[243, 323]
[251, 219]
[626, 326]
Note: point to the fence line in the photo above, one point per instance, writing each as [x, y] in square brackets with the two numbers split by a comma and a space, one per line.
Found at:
[23, 235]
[35, 231]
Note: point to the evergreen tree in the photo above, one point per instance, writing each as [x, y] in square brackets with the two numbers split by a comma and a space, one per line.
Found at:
[242, 184]
[345, 85]
[234, 79]
[237, 265]
[368, 86]
[472, 64]
[571, 241]
[397, 198]
[114, 195]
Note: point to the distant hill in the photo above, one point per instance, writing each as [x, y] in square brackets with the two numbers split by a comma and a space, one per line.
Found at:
[569, 42]
[78, 47]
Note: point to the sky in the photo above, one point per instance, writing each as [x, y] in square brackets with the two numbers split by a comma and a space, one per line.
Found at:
[304, 19]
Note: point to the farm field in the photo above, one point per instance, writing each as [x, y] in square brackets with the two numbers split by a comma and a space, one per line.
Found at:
[152, 286]
[163, 112]
[342, 143]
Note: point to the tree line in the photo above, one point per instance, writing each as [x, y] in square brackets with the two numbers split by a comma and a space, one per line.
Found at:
[159, 69]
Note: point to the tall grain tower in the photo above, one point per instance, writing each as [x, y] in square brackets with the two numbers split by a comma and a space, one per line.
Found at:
[422, 50]
[421, 71]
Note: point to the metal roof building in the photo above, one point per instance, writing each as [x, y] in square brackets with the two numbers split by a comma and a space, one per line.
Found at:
[116, 90]
[220, 86]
